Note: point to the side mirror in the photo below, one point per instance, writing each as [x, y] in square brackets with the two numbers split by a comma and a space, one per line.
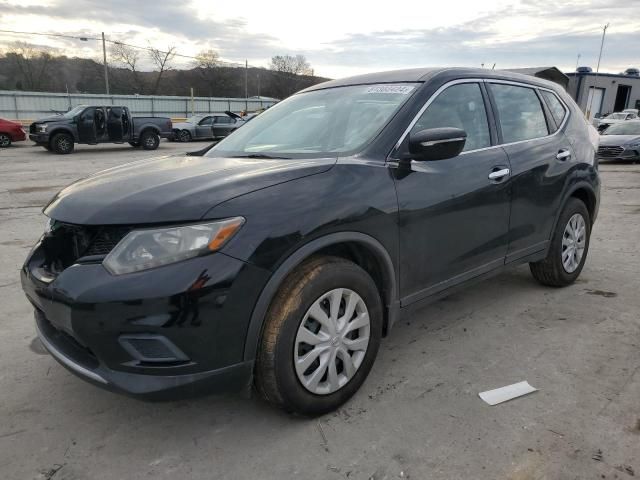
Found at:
[437, 143]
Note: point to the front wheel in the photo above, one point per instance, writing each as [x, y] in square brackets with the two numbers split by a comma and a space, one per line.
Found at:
[5, 140]
[568, 249]
[320, 338]
[62, 143]
[184, 136]
[149, 140]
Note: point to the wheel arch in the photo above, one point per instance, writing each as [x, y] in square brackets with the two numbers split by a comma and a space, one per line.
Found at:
[62, 129]
[360, 248]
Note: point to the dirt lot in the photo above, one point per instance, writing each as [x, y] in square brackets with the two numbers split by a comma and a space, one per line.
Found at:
[417, 416]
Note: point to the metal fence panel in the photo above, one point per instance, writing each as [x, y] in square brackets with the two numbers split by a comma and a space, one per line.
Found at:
[25, 106]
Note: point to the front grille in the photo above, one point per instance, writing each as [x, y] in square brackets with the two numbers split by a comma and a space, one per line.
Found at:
[66, 243]
[609, 152]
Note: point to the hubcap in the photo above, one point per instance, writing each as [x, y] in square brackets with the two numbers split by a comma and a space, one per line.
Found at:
[332, 341]
[184, 136]
[573, 243]
[4, 140]
[150, 141]
[63, 144]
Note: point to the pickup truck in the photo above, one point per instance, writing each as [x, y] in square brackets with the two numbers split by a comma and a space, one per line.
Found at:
[99, 124]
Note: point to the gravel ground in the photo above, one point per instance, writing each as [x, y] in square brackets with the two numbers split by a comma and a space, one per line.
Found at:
[417, 416]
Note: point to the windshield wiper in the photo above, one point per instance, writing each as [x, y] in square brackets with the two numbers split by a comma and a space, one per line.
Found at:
[261, 155]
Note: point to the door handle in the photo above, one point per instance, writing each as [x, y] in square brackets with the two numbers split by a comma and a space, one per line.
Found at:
[564, 154]
[498, 175]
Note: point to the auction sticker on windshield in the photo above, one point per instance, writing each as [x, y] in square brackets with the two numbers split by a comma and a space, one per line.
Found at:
[401, 89]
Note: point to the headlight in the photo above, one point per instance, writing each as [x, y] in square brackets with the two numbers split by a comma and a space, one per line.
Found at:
[149, 248]
[634, 145]
[42, 128]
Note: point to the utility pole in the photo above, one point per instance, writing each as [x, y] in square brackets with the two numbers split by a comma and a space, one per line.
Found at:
[578, 62]
[106, 70]
[604, 32]
[258, 84]
[246, 79]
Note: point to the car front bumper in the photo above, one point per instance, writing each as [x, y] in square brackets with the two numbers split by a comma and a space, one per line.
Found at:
[39, 138]
[618, 153]
[200, 307]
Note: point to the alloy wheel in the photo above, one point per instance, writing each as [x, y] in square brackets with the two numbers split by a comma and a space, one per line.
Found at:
[573, 243]
[5, 141]
[332, 341]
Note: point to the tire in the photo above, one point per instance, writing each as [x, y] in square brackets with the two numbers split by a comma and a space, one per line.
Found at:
[5, 140]
[62, 143]
[134, 144]
[184, 136]
[552, 271]
[313, 284]
[149, 140]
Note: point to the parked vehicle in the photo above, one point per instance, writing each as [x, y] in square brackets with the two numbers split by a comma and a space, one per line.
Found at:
[10, 132]
[207, 126]
[98, 124]
[621, 141]
[606, 122]
[286, 252]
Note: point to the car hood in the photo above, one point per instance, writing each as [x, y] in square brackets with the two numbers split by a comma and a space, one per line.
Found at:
[616, 140]
[184, 125]
[54, 118]
[171, 189]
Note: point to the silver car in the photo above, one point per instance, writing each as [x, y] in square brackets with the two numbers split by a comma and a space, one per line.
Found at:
[207, 126]
[621, 141]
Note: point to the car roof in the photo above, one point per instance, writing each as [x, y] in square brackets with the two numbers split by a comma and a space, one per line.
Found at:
[426, 74]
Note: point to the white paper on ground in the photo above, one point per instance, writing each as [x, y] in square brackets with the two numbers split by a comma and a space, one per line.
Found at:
[499, 395]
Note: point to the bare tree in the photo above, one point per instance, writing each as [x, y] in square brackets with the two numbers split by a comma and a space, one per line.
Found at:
[207, 63]
[297, 65]
[288, 71]
[128, 58]
[162, 61]
[32, 63]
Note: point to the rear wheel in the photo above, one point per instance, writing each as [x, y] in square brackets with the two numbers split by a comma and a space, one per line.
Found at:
[62, 143]
[149, 140]
[184, 136]
[5, 140]
[568, 249]
[320, 338]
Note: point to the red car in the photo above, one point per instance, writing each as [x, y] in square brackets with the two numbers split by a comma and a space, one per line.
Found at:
[10, 132]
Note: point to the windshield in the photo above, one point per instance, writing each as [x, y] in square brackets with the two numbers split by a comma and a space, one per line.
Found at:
[74, 111]
[617, 116]
[626, 128]
[319, 123]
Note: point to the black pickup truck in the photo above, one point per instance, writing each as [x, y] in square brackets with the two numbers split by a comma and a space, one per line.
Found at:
[99, 124]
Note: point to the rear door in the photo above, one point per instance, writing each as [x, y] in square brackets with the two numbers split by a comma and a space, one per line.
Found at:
[114, 124]
[453, 216]
[223, 125]
[540, 156]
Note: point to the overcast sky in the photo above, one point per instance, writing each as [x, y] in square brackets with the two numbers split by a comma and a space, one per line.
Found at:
[344, 37]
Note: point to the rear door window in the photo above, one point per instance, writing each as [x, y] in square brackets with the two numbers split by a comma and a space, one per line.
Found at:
[520, 113]
[459, 106]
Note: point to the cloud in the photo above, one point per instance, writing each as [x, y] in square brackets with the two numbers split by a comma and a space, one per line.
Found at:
[522, 33]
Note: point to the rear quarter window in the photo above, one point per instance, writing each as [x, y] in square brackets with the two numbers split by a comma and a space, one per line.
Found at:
[558, 111]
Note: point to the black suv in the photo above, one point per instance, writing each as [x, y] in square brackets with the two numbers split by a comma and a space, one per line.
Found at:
[283, 255]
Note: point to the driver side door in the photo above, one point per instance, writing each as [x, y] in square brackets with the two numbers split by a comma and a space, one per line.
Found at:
[203, 128]
[453, 213]
[87, 126]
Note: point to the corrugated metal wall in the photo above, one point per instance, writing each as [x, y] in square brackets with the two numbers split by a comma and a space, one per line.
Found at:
[16, 105]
